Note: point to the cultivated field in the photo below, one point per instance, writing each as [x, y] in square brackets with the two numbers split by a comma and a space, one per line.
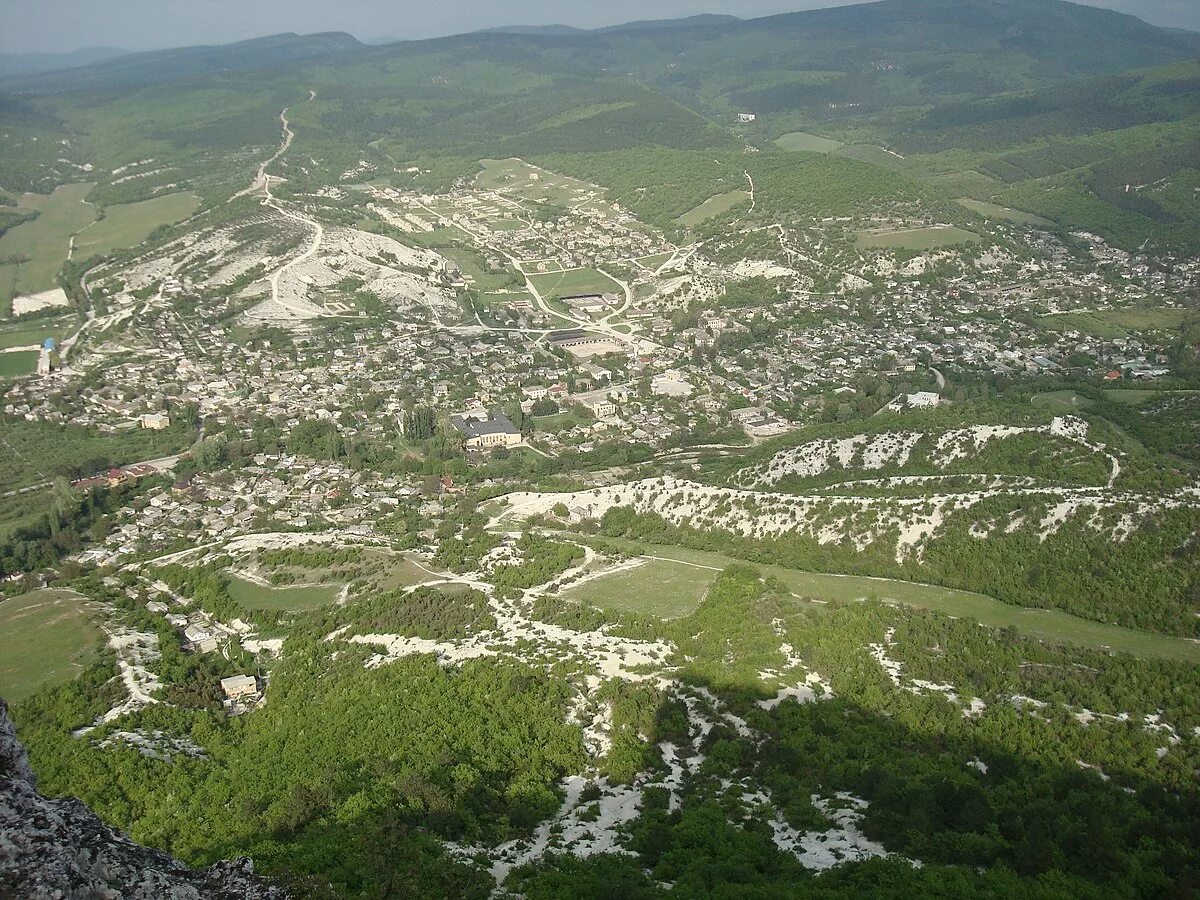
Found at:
[46, 638]
[43, 242]
[917, 238]
[128, 224]
[802, 140]
[713, 207]
[995, 211]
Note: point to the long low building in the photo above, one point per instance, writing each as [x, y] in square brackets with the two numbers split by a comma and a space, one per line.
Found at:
[486, 430]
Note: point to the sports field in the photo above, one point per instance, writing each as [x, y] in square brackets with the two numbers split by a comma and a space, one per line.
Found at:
[573, 283]
[18, 362]
[46, 638]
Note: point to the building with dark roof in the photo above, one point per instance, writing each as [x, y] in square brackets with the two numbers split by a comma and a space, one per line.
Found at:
[486, 430]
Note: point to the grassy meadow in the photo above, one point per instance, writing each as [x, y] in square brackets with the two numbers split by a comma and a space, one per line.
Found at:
[46, 638]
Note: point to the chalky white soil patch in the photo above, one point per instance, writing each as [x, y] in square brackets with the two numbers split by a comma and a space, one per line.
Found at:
[135, 651]
[155, 744]
[894, 448]
[895, 670]
[761, 268]
[42, 300]
[906, 523]
[844, 842]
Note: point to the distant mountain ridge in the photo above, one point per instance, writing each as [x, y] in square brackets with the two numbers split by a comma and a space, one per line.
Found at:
[31, 63]
[185, 62]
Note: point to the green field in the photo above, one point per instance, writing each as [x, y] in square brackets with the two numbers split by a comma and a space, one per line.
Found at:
[659, 587]
[18, 362]
[515, 177]
[995, 211]
[917, 238]
[1061, 401]
[712, 207]
[128, 224]
[43, 241]
[281, 599]
[1044, 624]
[802, 140]
[507, 225]
[26, 334]
[1116, 323]
[653, 262]
[46, 638]
[574, 282]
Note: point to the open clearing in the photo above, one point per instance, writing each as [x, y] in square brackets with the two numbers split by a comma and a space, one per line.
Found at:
[46, 638]
[18, 362]
[1061, 401]
[995, 211]
[128, 224]
[802, 140]
[658, 587]
[1044, 624]
[1115, 323]
[44, 242]
[713, 207]
[917, 238]
[281, 599]
[573, 283]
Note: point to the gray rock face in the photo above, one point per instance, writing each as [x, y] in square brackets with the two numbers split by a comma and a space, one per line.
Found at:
[60, 850]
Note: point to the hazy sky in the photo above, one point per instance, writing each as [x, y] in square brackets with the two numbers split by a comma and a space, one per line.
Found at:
[63, 25]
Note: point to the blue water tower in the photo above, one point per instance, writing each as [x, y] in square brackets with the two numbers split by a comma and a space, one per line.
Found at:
[50, 345]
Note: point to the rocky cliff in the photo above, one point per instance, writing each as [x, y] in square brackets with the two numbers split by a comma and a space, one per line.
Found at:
[59, 850]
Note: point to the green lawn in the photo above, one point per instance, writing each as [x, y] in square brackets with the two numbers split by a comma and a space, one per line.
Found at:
[18, 362]
[1049, 625]
[802, 140]
[282, 599]
[917, 238]
[995, 211]
[574, 282]
[24, 334]
[1116, 323]
[712, 207]
[128, 224]
[659, 587]
[46, 638]
[1061, 401]
[44, 241]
